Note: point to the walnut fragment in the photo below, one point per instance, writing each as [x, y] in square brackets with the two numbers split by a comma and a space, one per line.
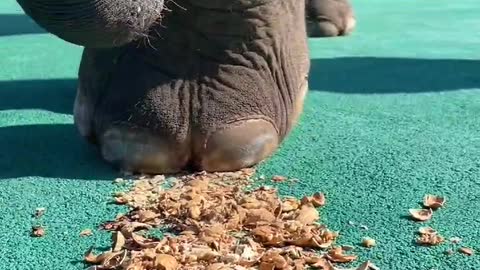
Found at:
[86, 232]
[466, 251]
[434, 202]
[368, 242]
[38, 231]
[336, 255]
[421, 214]
[165, 262]
[429, 237]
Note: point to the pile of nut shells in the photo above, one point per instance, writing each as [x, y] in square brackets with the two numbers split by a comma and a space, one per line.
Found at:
[219, 221]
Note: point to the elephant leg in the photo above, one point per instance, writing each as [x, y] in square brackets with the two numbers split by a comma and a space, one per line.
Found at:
[94, 76]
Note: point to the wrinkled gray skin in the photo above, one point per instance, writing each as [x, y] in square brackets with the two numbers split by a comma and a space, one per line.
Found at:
[329, 18]
[212, 85]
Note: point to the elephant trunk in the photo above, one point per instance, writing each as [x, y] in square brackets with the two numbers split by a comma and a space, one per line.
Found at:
[95, 23]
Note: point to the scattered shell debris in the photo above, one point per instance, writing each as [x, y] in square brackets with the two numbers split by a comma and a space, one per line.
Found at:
[219, 221]
[428, 235]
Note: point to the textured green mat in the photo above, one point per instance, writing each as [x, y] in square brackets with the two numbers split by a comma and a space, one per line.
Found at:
[393, 114]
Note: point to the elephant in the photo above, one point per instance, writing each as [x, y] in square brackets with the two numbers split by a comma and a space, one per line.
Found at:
[165, 86]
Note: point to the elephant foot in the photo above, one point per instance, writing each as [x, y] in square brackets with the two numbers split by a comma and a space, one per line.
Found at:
[209, 95]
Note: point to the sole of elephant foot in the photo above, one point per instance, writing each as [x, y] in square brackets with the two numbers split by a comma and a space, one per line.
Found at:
[141, 152]
[240, 145]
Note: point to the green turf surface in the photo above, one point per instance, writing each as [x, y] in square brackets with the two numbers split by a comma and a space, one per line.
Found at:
[393, 113]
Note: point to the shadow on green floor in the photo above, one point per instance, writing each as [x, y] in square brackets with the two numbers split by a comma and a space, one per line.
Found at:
[51, 95]
[55, 151]
[18, 24]
[372, 75]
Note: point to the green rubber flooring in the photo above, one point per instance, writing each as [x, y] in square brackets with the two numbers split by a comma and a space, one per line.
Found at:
[393, 113]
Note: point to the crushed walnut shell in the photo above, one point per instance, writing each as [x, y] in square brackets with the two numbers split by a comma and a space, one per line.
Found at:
[429, 237]
[38, 231]
[426, 230]
[434, 202]
[218, 221]
[86, 232]
[421, 214]
[39, 212]
[368, 242]
[466, 251]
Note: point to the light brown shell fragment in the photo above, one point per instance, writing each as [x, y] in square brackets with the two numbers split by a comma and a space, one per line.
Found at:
[421, 214]
[86, 232]
[290, 204]
[336, 255]
[165, 262]
[430, 239]
[426, 230]
[466, 251]
[113, 260]
[368, 242]
[279, 178]
[434, 202]
[318, 199]
[38, 231]
[307, 214]
[118, 241]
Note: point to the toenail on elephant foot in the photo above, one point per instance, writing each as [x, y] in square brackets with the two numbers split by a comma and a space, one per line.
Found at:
[322, 29]
[139, 151]
[351, 24]
[240, 145]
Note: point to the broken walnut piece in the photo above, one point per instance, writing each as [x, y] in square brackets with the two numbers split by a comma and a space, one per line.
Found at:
[427, 230]
[86, 232]
[279, 178]
[430, 239]
[336, 255]
[38, 231]
[318, 199]
[165, 262]
[466, 251]
[434, 202]
[107, 260]
[368, 242]
[307, 214]
[421, 214]
[39, 212]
